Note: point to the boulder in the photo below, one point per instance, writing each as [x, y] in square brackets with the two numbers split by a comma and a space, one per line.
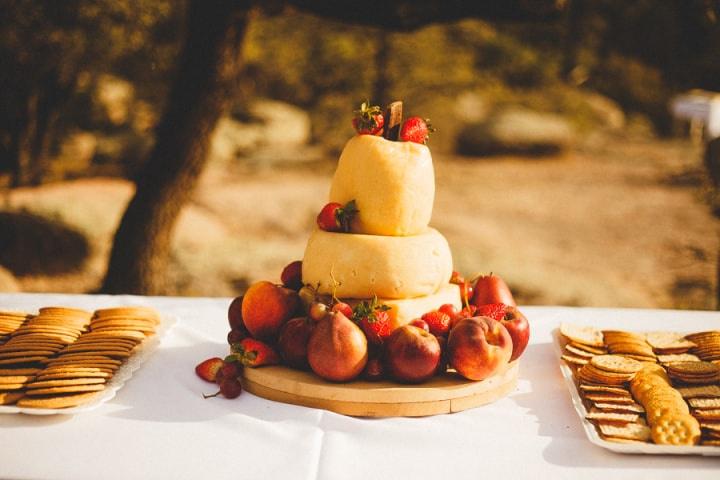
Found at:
[8, 282]
[515, 130]
[607, 112]
[261, 125]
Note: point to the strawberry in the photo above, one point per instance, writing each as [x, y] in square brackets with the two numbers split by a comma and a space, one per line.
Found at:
[368, 120]
[438, 322]
[335, 217]
[457, 278]
[415, 129]
[254, 353]
[495, 311]
[208, 369]
[374, 320]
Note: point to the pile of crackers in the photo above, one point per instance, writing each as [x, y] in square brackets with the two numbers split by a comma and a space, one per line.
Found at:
[659, 387]
[64, 357]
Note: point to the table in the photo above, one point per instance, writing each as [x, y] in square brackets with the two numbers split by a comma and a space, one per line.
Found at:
[159, 426]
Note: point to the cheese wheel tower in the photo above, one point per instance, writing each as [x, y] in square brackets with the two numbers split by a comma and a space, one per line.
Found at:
[391, 252]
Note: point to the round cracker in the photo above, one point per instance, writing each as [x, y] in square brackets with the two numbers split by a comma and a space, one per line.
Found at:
[64, 401]
[66, 389]
[676, 429]
[65, 382]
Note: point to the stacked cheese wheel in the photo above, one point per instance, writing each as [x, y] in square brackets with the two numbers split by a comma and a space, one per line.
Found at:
[391, 252]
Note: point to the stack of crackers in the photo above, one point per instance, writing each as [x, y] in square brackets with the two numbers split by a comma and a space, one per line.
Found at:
[653, 387]
[64, 357]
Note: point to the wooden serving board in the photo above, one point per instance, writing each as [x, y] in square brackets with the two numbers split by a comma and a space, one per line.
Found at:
[445, 394]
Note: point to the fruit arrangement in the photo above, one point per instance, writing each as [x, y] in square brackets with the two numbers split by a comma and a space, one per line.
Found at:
[375, 296]
[279, 324]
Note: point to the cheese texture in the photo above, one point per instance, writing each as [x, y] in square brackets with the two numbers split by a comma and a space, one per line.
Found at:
[393, 184]
[403, 311]
[362, 266]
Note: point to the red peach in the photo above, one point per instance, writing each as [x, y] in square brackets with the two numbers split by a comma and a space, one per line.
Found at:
[477, 347]
[266, 307]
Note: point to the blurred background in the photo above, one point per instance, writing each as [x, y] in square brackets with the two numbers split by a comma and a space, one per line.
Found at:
[561, 164]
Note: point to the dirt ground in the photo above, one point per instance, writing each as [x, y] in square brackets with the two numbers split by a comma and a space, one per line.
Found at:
[615, 222]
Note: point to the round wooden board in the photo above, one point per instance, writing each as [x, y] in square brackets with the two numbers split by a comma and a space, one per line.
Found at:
[446, 394]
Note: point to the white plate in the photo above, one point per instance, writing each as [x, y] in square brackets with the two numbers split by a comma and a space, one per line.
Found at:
[122, 375]
[594, 437]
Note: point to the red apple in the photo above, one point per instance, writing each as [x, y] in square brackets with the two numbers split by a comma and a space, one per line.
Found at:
[291, 276]
[477, 347]
[518, 328]
[293, 341]
[266, 307]
[235, 318]
[411, 354]
[492, 289]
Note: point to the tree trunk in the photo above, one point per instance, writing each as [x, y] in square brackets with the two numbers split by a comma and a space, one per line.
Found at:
[204, 85]
[22, 140]
[381, 87]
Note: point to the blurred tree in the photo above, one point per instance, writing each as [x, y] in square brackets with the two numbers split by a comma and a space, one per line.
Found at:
[205, 82]
[45, 46]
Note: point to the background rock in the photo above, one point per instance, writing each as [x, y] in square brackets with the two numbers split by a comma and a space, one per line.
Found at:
[515, 130]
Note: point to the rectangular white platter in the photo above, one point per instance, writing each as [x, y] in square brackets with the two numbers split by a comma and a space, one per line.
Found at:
[592, 433]
[122, 375]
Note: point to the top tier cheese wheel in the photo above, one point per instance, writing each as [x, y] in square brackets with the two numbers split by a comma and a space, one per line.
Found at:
[393, 184]
[361, 266]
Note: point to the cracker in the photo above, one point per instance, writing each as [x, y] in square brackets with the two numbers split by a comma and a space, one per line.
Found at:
[676, 430]
[4, 380]
[26, 353]
[75, 374]
[585, 335]
[616, 364]
[64, 401]
[710, 443]
[8, 398]
[679, 357]
[709, 403]
[65, 311]
[573, 360]
[606, 398]
[630, 431]
[668, 340]
[19, 371]
[620, 407]
[21, 360]
[12, 386]
[65, 389]
[585, 387]
[704, 391]
[606, 417]
[711, 414]
[579, 352]
[65, 382]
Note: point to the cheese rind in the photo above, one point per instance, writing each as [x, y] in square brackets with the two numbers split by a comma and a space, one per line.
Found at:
[362, 266]
[392, 183]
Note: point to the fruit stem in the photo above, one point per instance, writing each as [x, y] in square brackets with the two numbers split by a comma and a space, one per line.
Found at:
[206, 396]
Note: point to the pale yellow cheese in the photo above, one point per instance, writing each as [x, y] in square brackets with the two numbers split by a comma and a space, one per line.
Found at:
[403, 311]
[393, 184]
[361, 266]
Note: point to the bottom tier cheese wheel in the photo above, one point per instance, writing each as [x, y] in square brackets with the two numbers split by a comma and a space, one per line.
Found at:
[403, 311]
[362, 266]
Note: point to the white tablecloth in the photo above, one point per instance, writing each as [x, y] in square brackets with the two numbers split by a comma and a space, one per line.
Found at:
[159, 426]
